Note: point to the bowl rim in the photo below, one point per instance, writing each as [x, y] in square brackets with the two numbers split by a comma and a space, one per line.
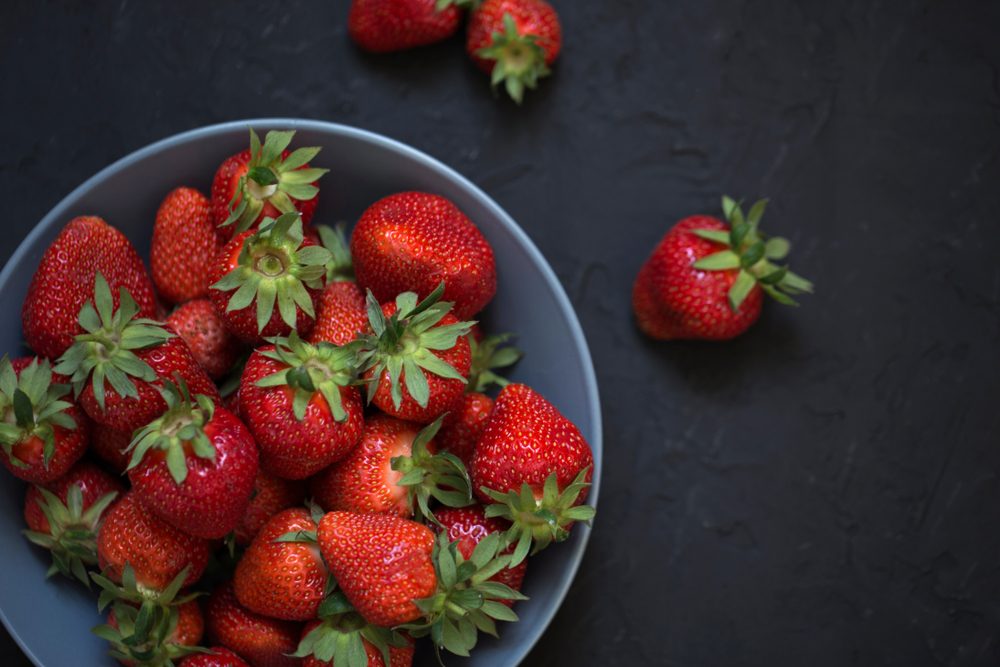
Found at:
[58, 212]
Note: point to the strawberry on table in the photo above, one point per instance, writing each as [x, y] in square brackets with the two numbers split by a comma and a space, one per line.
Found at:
[261, 640]
[203, 329]
[707, 278]
[270, 495]
[381, 26]
[185, 241]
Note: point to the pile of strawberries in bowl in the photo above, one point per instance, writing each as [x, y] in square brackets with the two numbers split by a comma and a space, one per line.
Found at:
[277, 446]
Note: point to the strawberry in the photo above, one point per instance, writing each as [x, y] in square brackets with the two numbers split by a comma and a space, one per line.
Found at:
[110, 446]
[413, 241]
[143, 634]
[280, 576]
[65, 276]
[516, 41]
[156, 550]
[118, 365]
[185, 241]
[258, 268]
[536, 466]
[270, 495]
[382, 26]
[64, 517]
[415, 358]
[262, 641]
[265, 181]
[393, 470]
[706, 278]
[346, 639]
[213, 347]
[341, 315]
[219, 656]
[194, 466]
[463, 426]
[298, 401]
[42, 434]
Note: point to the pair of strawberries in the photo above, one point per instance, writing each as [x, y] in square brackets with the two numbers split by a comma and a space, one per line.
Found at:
[514, 41]
[426, 504]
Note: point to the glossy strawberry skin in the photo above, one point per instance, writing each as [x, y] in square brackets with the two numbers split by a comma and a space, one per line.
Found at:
[157, 551]
[381, 563]
[284, 580]
[110, 445]
[220, 657]
[270, 495]
[525, 440]
[70, 446]
[262, 641]
[532, 17]
[340, 313]
[401, 656]
[463, 427]
[128, 414]
[365, 481]
[214, 496]
[468, 526]
[382, 26]
[290, 448]
[64, 281]
[185, 242]
[412, 241]
[94, 484]
[673, 300]
[205, 332]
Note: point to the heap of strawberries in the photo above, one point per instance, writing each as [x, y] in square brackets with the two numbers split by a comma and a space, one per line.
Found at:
[172, 455]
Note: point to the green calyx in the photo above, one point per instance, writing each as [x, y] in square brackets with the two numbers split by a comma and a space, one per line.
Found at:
[273, 179]
[752, 254]
[487, 356]
[404, 345]
[31, 405]
[520, 59]
[106, 349]
[466, 601]
[440, 476]
[340, 268]
[275, 267]
[538, 522]
[308, 536]
[322, 368]
[339, 638]
[72, 536]
[180, 427]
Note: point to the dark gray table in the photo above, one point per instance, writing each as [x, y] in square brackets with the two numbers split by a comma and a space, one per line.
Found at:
[823, 491]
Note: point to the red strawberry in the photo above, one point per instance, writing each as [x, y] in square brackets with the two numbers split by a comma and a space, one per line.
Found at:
[536, 465]
[381, 26]
[282, 579]
[270, 495]
[340, 314]
[298, 401]
[265, 181]
[321, 641]
[219, 657]
[416, 358]
[43, 433]
[264, 282]
[110, 446]
[516, 41]
[195, 466]
[168, 633]
[469, 526]
[462, 427]
[414, 241]
[185, 241]
[205, 332]
[263, 641]
[157, 551]
[64, 517]
[707, 278]
[64, 281]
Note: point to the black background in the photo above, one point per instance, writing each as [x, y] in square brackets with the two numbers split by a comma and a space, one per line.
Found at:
[822, 491]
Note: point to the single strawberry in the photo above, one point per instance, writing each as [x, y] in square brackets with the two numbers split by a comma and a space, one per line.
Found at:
[203, 329]
[64, 517]
[274, 265]
[111, 445]
[463, 426]
[415, 358]
[185, 241]
[382, 26]
[43, 433]
[194, 466]
[341, 314]
[706, 279]
[344, 638]
[156, 550]
[265, 181]
[270, 495]
[64, 281]
[145, 634]
[414, 241]
[218, 656]
[118, 365]
[261, 640]
[279, 576]
[516, 41]
[535, 466]
[393, 470]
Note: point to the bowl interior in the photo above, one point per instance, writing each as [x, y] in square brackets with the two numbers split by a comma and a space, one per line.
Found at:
[364, 167]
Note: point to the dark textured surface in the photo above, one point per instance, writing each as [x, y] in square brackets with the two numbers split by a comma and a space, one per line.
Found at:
[823, 491]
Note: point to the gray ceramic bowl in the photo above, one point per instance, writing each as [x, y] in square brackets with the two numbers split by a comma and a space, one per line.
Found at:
[51, 621]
